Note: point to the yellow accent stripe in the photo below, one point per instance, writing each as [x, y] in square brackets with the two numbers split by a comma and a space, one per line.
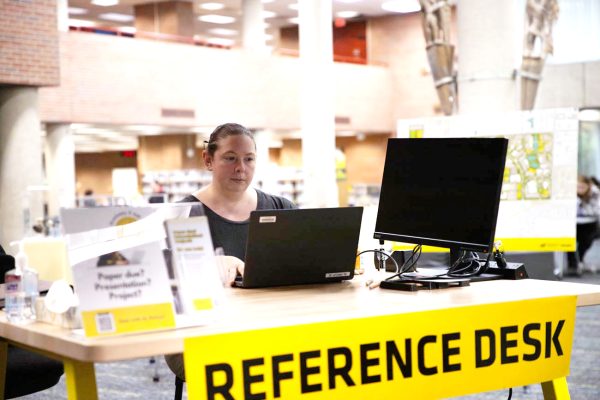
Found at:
[203, 304]
[510, 244]
[146, 317]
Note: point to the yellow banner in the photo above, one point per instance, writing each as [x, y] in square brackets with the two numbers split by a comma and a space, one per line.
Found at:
[115, 321]
[425, 355]
[510, 244]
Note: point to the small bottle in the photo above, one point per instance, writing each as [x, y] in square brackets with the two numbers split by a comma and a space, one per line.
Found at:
[15, 296]
[21, 289]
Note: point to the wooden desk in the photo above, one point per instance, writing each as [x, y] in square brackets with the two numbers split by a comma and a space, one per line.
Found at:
[267, 308]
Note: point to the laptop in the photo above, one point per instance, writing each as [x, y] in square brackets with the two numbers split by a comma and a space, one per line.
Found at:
[301, 246]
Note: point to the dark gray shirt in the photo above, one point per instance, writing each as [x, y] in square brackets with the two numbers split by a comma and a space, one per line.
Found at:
[232, 235]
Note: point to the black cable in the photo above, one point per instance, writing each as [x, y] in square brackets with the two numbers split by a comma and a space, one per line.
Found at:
[408, 263]
[381, 252]
[509, 393]
[466, 267]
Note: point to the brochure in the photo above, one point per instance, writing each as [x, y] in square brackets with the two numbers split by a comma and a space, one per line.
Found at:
[124, 274]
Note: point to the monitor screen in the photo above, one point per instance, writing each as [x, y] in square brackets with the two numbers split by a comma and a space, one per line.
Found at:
[442, 192]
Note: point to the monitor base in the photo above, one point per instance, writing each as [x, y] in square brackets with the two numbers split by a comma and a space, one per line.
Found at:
[412, 285]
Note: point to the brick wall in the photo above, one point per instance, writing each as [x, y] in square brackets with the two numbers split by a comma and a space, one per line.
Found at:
[29, 43]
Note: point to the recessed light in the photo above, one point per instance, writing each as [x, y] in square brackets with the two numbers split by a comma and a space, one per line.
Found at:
[223, 31]
[294, 20]
[216, 19]
[105, 3]
[212, 6]
[77, 11]
[268, 14]
[116, 17]
[220, 41]
[347, 14]
[401, 6]
[80, 22]
[349, 1]
[128, 29]
[293, 6]
[267, 1]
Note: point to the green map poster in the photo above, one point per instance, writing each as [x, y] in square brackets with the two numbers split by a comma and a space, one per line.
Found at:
[539, 200]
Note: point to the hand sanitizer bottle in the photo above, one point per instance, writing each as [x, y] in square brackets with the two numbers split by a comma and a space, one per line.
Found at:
[21, 289]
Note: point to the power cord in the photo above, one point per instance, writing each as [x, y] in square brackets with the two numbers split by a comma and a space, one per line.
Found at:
[468, 264]
[381, 253]
[408, 264]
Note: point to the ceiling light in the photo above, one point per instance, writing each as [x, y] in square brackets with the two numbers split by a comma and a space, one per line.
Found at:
[401, 6]
[216, 19]
[267, 1]
[293, 6]
[80, 22]
[223, 31]
[212, 6]
[105, 3]
[349, 1]
[77, 125]
[128, 29]
[589, 115]
[347, 14]
[220, 41]
[268, 36]
[144, 128]
[294, 20]
[116, 17]
[268, 14]
[77, 11]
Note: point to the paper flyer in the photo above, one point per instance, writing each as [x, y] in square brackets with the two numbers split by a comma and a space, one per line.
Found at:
[119, 271]
[196, 275]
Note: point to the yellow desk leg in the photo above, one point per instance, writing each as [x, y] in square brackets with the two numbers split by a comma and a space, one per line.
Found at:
[80, 380]
[3, 358]
[556, 389]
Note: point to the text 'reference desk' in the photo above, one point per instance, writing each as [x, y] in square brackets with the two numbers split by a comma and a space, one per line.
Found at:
[269, 308]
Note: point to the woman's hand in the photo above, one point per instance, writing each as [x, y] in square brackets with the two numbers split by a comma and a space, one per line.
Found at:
[229, 268]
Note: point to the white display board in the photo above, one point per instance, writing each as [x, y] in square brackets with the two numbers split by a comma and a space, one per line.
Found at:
[539, 200]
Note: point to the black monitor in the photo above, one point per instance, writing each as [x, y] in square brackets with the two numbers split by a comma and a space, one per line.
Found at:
[442, 192]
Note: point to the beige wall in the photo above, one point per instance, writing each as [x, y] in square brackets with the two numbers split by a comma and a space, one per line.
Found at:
[167, 152]
[94, 170]
[398, 42]
[364, 158]
[109, 79]
[570, 85]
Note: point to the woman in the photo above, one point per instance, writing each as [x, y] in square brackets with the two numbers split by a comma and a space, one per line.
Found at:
[588, 210]
[227, 201]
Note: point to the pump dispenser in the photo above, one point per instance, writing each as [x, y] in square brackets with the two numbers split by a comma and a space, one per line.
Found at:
[21, 289]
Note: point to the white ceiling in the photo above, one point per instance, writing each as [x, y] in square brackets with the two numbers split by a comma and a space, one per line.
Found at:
[282, 11]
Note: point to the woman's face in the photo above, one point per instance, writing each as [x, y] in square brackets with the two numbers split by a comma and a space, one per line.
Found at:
[582, 188]
[233, 163]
